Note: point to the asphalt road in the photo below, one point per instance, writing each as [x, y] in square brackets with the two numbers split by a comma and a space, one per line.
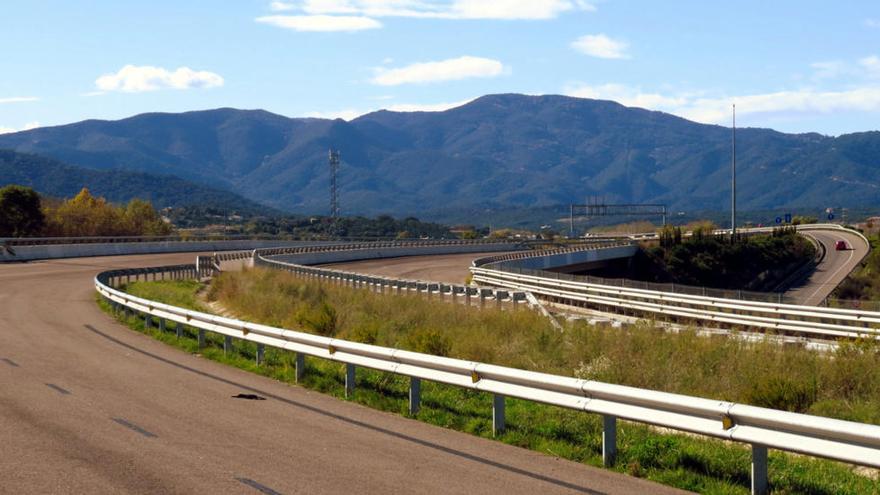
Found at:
[448, 268]
[454, 268]
[833, 269]
[88, 406]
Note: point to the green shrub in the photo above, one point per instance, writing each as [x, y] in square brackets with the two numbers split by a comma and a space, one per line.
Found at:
[429, 341]
[783, 394]
[320, 319]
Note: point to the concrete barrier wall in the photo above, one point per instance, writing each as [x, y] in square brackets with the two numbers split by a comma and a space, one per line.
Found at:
[53, 251]
[574, 258]
[389, 252]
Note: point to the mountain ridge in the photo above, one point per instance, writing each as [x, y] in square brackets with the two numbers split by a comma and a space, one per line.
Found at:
[57, 179]
[505, 149]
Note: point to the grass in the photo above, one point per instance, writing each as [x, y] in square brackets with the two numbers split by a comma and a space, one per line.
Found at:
[523, 339]
[864, 282]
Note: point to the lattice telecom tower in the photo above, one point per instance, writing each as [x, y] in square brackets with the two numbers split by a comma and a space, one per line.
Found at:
[334, 196]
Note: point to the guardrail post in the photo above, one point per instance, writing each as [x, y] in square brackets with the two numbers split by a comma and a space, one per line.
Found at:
[261, 353]
[497, 414]
[201, 339]
[148, 321]
[349, 379]
[609, 439]
[162, 325]
[760, 482]
[415, 395]
[227, 344]
[300, 367]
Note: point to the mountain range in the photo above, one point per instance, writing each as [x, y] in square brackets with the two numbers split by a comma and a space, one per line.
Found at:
[496, 151]
[56, 179]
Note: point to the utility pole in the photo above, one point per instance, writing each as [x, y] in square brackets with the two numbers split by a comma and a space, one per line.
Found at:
[733, 181]
[334, 197]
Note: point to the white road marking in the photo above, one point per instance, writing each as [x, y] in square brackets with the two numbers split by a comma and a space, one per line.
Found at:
[845, 264]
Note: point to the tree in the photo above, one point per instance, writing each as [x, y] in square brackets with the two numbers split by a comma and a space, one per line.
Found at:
[803, 219]
[83, 215]
[20, 212]
[140, 218]
[87, 215]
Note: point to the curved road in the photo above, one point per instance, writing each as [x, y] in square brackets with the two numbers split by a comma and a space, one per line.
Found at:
[88, 406]
[833, 269]
[447, 268]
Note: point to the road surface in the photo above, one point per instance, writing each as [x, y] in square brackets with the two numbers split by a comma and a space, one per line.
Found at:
[89, 406]
[454, 268]
[832, 270]
[447, 268]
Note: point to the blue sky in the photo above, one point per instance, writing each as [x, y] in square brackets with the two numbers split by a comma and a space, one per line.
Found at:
[795, 66]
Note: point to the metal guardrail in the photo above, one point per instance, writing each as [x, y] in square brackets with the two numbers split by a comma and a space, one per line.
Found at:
[343, 246]
[783, 318]
[465, 292]
[745, 295]
[761, 428]
[498, 258]
[44, 241]
[41, 241]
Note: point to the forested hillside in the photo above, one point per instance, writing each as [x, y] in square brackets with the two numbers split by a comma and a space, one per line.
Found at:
[498, 150]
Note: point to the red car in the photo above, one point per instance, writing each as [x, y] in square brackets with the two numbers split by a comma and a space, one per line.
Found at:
[841, 246]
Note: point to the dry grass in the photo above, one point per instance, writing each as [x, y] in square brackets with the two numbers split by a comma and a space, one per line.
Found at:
[844, 384]
[642, 356]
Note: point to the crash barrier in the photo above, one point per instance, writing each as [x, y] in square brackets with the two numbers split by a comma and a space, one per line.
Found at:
[760, 428]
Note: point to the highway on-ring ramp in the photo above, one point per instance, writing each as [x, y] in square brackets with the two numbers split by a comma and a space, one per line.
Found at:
[89, 406]
[833, 269]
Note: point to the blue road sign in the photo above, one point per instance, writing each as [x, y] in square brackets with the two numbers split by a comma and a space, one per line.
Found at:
[788, 218]
[831, 216]
[778, 219]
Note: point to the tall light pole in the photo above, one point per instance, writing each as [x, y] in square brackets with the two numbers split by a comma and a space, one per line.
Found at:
[334, 196]
[733, 181]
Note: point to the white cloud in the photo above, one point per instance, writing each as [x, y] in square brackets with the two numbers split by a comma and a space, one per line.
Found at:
[281, 6]
[26, 127]
[136, 79]
[829, 69]
[445, 70]
[871, 65]
[872, 23]
[372, 8]
[427, 107]
[599, 45]
[716, 110]
[346, 114]
[631, 97]
[18, 99]
[515, 9]
[454, 9]
[350, 114]
[320, 23]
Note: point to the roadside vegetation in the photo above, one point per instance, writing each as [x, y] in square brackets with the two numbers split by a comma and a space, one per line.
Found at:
[638, 227]
[24, 213]
[844, 385]
[704, 259]
[864, 282]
